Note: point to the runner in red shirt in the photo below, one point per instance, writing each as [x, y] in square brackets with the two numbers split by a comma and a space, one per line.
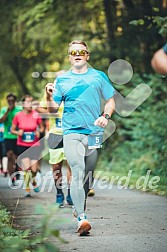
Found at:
[27, 124]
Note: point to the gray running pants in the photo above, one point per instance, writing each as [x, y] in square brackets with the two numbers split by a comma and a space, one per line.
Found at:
[82, 162]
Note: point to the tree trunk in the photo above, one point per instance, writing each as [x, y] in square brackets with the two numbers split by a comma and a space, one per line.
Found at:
[15, 68]
[110, 15]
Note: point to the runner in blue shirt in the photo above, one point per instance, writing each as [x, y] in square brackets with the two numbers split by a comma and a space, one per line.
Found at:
[82, 90]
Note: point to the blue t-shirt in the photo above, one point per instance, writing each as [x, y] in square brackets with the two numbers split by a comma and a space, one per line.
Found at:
[82, 95]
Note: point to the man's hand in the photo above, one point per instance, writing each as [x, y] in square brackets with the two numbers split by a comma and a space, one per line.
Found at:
[51, 105]
[101, 122]
[49, 88]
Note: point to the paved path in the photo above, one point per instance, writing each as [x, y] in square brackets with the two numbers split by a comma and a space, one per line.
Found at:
[122, 220]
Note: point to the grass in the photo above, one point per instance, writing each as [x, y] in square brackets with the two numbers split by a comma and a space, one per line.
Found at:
[13, 240]
[131, 179]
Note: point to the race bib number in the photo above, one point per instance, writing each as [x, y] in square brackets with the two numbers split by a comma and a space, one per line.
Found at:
[95, 141]
[28, 137]
[58, 122]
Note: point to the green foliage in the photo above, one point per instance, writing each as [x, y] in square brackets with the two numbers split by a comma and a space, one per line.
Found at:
[139, 143]
[12, 240]
[160, 22]
[35, 35]
[137, 22]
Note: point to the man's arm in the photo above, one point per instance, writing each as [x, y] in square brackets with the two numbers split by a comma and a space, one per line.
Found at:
[159, 61]
[52, 106]
[109, 107]
[4, 117]
[102, 121]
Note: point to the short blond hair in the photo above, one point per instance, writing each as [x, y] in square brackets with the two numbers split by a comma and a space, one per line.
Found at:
[80, 42]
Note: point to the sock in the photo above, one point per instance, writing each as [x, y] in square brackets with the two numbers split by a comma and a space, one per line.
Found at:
[68, 189]
[59, 188]
[5, 164]
[27, 178]
[33, 178]
[81, 217]
[18, 174]
[68, 192]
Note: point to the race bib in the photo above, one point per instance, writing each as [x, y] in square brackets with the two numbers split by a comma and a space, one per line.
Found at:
[28, 137]
[95, 141]
[58, 122]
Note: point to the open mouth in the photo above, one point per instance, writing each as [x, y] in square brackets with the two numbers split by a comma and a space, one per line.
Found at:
[77, 59]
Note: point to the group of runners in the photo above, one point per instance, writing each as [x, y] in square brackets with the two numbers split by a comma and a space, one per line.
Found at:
[23, 127]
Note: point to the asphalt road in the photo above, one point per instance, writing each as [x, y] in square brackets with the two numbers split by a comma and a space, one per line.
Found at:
[122, 220]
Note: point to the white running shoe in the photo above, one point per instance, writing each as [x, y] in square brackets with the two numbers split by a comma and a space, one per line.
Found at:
[83, 225]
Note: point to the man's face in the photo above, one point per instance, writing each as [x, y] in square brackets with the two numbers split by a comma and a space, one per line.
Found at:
[11, 101]
[79, 55]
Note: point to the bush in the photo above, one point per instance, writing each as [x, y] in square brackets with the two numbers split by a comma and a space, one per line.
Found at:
[12, 240]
